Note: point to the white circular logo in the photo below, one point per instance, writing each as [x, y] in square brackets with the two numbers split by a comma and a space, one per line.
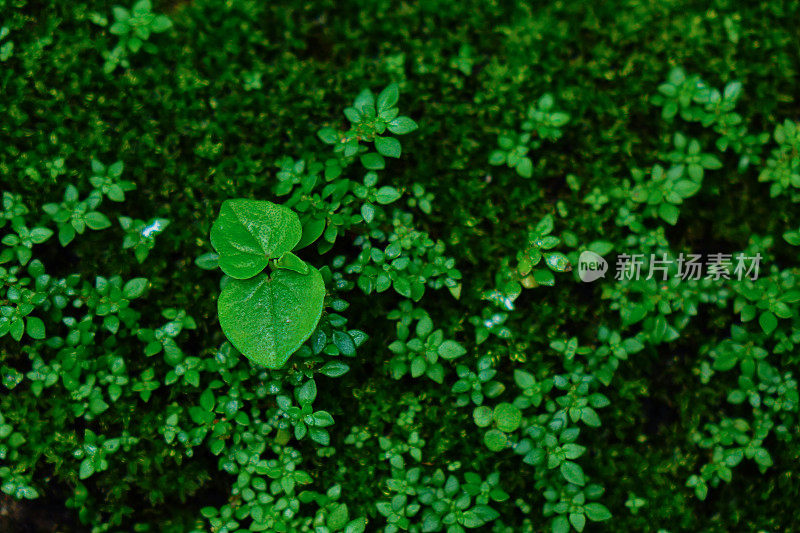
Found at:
[591, 266]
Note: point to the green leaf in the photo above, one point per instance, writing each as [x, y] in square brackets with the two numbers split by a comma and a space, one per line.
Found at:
[710, 161]
[207, 400]
[686, 188]
[523, 379]
[792, 237]
[160, 24]
[631, 314]
[338, 517]
[208, 261]
[365, 101]
[388, 146]
[344, 343]
[17, 329]
[573, 451]
[589, 417]
[545, 225]
[322, 419]
[435, 372]
[119, 28]
[358, 525]
[486, 513]
[35, 328]
[791, 296]
[39, 235]
[248, 233]
[120, 13]
[507, 417]
[560, 525]
[328, 135]
[497, 157]
[142, 7]
[313, 228]
[290, 261]
[320, 436]
[373, 161]
[578, 521]
[557, 261]
[418, 365]
[267, 318]
[495, 440]
[451, 350]
[402, 125]
[572, 472]
[96, 220]
[386, 195]
[482, 415]
[217, 446]
[97, 406]
[307, 393]
[525, 167]
[86, 469]
[596, 512]
[367, 212]
[66, 234]
[134, 288]
[669, 213]
[725, 361]
[762, 457]
[388, 97]
[768, 322]
[334, 369]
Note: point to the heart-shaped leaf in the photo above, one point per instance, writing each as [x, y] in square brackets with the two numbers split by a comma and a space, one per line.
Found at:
[267, 318]
[248, 233]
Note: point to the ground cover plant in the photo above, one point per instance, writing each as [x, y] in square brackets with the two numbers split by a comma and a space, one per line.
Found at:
[319, 266]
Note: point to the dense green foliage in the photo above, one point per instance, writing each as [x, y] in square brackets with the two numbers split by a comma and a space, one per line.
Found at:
[441, 166]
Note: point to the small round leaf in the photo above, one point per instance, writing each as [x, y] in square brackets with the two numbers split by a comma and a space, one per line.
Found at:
[507, 417]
